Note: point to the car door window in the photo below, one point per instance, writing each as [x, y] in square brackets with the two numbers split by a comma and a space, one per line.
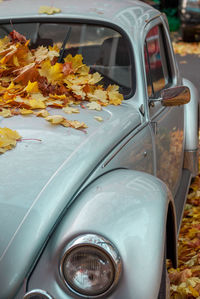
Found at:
[157, 69]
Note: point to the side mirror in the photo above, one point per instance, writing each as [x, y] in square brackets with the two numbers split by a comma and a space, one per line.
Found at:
[175, 96]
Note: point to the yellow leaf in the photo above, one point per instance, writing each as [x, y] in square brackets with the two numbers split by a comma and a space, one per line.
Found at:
[55, 119]
[115, 98]
[4, 43]
[58, 97]
[36, 104]
[42, 53]
[8, 139]
[98, 118]
[15, 60]
[5, 113]
[94, 106]
[98, 95]
[42, 113]
[32, 87]
[49, 10]
[74, 124]
[70, 110]
[52, 72]
[25, 111]
[95, 78]
[77, 61]
[78, 90]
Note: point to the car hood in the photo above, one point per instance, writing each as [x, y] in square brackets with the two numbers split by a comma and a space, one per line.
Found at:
[41, 176]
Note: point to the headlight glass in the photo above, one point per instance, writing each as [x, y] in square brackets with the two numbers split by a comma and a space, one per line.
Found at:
[90, 266]
[88, 270]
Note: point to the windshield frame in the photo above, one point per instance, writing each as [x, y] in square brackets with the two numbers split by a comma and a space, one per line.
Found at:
[66, 20]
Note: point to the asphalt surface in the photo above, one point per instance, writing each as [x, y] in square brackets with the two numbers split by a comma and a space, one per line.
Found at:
[189, 66]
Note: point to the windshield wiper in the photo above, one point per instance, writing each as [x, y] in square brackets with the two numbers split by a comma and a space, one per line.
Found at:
[62, 49]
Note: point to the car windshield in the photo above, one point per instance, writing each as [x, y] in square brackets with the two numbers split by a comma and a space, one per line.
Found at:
[103, 49]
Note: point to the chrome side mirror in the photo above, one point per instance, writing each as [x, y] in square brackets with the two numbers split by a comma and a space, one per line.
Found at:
[175, 96]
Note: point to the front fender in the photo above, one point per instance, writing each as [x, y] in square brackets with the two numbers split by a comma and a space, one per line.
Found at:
[130, 209]
[191, 118]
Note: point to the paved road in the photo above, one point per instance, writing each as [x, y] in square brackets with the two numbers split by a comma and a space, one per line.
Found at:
[191, 69]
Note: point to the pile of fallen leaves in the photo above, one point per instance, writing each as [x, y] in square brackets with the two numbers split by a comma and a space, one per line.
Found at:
[32, 81]
[183, 48]
[185, 280]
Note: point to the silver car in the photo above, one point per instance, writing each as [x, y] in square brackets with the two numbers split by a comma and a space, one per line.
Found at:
[94, 213]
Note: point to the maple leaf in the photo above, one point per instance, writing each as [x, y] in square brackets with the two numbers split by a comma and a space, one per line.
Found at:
[53, 73]
[94, 106]
[95, 78]
[55, 119]
[67, 68]
[98, 95]
[26, 74]
[5, 113]
[78, 90]
[98, 118]
[70, 110]
[8, 54]
[32, 87]
[17, 37]
[36, 104]
[76, 61]
[42, 113]
[8, 139]
[42, 53]
[25, 111]
[74, 124]
[49, 10]
[4, 42]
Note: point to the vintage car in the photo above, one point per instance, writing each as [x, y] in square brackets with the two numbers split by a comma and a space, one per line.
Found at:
[189, 11]
[91, 204]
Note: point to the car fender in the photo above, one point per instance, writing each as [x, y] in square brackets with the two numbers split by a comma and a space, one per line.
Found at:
[127, 207]
[191, 116]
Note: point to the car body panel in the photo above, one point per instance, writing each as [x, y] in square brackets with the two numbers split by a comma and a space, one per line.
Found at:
[105, 195]
[41, 202]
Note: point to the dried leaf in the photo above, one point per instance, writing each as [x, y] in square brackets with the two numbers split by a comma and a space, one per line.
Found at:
[8, 139]
[55, 119]
[94, 106]
[42, 113]
[5, 113]
[70, 110]
[49, 10]
[98, 118]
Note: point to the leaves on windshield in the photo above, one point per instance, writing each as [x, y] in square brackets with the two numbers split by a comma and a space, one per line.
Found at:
[32, 82]
[49, 10]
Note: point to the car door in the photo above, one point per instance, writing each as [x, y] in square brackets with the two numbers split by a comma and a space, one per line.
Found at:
[166, 122]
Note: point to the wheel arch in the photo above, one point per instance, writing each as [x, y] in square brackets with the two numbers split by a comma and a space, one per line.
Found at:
[130, 209]
[171, 235]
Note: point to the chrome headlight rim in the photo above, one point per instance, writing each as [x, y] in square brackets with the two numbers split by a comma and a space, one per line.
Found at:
[100, 243]
[35, 292]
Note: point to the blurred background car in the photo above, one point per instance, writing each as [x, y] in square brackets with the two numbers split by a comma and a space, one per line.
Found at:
[189, 12]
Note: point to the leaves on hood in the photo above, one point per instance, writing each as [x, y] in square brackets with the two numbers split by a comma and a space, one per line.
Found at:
[8, 139]
[32, 81]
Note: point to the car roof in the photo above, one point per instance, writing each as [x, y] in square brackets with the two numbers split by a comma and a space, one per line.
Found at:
[127, 13]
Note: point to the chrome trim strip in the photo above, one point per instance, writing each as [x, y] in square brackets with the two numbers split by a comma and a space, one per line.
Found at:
[101, 243]
[191, 161]
[36, 292]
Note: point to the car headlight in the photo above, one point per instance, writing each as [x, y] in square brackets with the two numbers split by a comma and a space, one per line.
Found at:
[91, 266]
